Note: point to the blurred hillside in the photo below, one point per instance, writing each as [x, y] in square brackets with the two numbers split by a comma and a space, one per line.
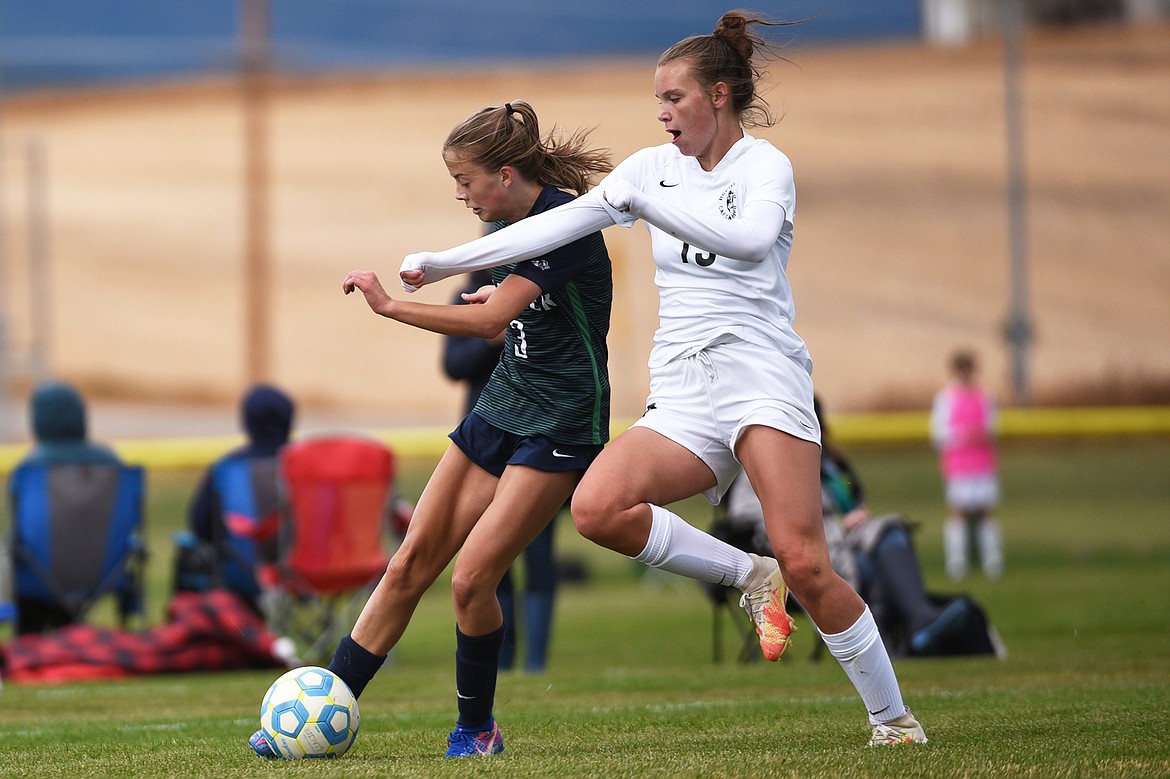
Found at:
[901, 249]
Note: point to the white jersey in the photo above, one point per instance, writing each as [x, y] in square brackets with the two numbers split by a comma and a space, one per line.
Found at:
[720, 242]
[706, 296]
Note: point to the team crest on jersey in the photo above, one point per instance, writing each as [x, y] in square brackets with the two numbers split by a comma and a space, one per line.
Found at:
[728, 205]
[543, 303]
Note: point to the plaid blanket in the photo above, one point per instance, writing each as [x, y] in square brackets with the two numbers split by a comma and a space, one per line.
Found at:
[204, 631]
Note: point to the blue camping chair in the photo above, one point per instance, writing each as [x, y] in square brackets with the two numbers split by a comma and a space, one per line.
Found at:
[76, 537]
[241, 554]
[246, 542]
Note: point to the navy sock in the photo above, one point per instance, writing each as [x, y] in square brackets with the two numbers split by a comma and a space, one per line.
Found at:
[355, 665]
[476, 665]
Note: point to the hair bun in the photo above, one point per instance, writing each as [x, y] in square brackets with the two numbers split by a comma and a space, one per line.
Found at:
[729, 24]
[732, 29]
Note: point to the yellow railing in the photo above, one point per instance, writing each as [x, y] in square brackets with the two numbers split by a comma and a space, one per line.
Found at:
[892, 427]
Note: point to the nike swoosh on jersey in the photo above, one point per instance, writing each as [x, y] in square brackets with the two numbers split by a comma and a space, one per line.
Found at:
[662, 183]
[559, 454]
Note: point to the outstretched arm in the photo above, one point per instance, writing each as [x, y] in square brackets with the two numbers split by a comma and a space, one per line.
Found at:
[749, 237]
[524, 240]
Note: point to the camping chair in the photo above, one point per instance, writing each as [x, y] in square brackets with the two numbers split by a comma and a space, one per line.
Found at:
[241, 555]
[725, 601]
[76, 537]
[337, 492]
[746, 536]
[246, 539]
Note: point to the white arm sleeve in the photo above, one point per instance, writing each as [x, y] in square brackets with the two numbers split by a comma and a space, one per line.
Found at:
[530, 237]
[750, 237]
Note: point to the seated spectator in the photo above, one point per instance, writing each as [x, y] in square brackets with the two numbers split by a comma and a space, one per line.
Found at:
[60, 436]
[235, 511]
[876, 555]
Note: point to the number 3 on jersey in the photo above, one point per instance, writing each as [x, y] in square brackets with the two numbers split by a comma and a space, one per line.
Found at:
[702, 260]
[521, 340]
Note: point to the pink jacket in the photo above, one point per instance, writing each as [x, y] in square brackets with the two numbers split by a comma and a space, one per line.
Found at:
[962, 426]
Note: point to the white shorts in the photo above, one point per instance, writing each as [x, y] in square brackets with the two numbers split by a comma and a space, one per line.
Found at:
[704, 401]
[973, 493]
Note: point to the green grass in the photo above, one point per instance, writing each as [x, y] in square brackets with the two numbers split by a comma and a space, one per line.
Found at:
[632, 690]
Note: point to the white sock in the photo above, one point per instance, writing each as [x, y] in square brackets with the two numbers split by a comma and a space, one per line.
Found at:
[678, 547]
[955, 547]
[991, 547]
[860, 651]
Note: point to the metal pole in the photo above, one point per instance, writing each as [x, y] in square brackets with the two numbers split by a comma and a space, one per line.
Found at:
[40, 265]
[1018, 329]
[7, 362]
[254, 25]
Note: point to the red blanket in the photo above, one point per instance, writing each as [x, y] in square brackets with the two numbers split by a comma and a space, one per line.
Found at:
[207, 631]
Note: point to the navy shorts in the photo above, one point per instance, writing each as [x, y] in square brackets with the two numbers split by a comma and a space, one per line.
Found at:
[493, 449]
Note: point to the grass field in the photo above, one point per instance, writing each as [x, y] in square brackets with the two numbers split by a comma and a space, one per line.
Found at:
[632, 690]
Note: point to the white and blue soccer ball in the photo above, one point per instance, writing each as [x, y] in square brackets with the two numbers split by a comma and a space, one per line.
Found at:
[309, 712]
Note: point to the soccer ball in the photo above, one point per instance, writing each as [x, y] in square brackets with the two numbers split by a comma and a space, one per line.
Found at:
[309, 712]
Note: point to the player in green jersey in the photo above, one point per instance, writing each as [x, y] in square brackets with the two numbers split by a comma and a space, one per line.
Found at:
[544, 415]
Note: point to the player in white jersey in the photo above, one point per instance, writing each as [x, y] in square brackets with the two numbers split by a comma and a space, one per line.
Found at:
[730, 379]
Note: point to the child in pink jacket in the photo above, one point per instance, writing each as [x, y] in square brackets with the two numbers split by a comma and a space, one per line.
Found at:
[963, 424]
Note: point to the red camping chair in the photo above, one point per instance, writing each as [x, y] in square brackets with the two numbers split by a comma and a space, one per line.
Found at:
[338, 493]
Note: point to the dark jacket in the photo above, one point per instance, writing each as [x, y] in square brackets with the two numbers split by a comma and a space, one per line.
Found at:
[469, 359]
[266, 414]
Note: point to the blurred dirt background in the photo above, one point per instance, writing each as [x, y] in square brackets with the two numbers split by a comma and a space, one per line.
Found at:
[901, 251]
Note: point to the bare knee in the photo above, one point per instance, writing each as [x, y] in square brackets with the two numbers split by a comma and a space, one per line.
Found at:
[808, 577]
[472, 589]
[462, 590]
[409, 575]
[598, 516]
[590, 512]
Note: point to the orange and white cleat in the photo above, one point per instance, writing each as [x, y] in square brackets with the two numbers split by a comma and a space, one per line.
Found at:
[764, 600]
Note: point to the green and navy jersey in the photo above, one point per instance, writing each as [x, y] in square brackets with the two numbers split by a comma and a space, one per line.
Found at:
[552, 379]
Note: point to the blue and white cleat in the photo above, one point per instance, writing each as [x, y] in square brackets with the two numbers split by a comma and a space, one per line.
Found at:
[472, 743]
[261, 746]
